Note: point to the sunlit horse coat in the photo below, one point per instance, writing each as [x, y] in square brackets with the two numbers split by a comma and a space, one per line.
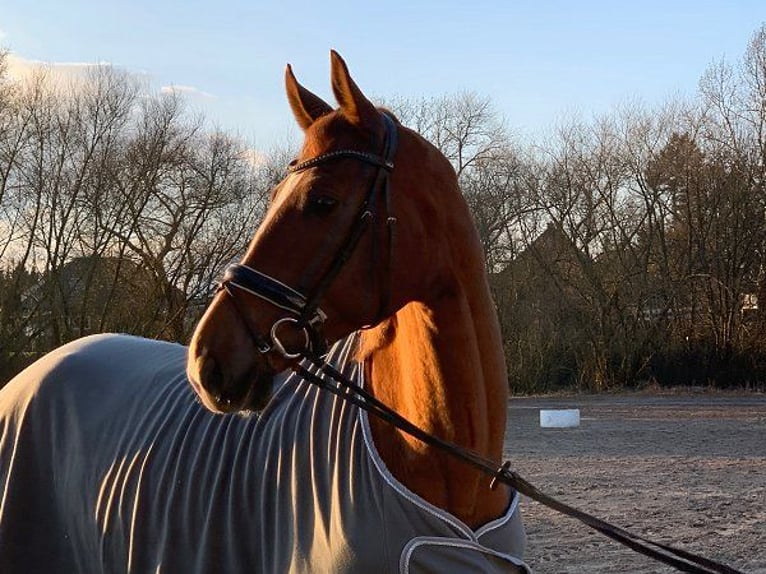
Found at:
[109, 464]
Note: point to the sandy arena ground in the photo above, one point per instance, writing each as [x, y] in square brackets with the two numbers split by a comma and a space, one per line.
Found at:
[684, 469]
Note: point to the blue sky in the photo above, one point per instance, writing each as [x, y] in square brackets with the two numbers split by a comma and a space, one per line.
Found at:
[537, 60]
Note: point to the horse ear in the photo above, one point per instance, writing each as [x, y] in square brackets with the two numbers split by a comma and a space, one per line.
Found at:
[307, 107]
[353, 103]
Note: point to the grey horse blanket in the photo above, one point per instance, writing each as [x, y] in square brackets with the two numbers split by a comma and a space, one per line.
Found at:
[109, 464]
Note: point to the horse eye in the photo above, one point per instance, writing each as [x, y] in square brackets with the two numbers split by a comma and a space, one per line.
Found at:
[321, 205]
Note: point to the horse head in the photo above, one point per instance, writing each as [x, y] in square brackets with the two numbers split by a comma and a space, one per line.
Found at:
[350, 236]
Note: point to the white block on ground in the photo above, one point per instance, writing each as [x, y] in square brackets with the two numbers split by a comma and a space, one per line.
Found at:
[559, 418]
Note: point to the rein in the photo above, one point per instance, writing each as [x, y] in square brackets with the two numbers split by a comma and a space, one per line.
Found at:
[341, 386]
[306, 316]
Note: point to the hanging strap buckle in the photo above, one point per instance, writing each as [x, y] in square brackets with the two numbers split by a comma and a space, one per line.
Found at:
[502, 471]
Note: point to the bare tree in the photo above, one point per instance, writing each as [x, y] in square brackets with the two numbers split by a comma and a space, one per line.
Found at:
[190, 200]
[473, 136]
[118, 211]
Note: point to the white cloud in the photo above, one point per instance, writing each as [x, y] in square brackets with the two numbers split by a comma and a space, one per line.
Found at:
[186, 90]
[18, 68]
[61, 73]
[254, 157]
[73, 76]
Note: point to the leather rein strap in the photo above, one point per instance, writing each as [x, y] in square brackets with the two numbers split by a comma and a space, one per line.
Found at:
[338, 384]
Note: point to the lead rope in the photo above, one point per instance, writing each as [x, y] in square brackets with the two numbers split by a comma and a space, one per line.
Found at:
[345, 389]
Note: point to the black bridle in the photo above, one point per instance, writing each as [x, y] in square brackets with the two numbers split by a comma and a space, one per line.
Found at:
[306, 316]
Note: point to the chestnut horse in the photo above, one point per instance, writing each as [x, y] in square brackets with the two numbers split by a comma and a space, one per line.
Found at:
[107, 463]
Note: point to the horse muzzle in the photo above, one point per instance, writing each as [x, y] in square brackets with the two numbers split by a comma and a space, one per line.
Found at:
[224, 367]
[221, 390]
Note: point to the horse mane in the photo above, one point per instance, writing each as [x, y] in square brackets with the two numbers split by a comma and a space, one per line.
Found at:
[441, 358]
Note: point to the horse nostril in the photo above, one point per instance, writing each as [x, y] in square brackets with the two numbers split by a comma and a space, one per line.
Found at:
[210, 373]
[219, 387]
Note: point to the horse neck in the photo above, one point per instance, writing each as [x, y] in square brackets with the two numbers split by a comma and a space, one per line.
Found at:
[440, 364]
